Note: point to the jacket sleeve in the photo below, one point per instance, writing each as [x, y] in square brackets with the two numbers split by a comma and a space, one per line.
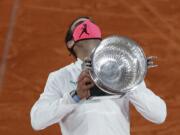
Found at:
[51, 107]
[149, 105]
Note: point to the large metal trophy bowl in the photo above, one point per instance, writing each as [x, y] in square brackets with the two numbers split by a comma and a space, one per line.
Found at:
[118, 65]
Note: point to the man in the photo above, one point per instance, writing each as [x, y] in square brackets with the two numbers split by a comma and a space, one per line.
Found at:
[65, 97]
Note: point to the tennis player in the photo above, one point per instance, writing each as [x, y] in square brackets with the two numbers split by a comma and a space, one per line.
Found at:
[65, 96]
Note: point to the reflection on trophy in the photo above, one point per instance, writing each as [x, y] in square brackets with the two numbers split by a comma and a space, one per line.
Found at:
[118, 66]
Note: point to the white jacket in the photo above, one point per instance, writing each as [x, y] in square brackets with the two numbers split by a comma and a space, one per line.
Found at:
[91, 117]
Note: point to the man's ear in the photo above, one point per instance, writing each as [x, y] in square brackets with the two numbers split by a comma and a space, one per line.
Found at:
[70, 44]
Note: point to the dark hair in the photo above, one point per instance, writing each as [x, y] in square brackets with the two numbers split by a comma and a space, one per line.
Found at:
[69, 33]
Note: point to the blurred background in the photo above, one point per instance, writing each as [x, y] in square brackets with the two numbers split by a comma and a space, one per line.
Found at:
[32, 45]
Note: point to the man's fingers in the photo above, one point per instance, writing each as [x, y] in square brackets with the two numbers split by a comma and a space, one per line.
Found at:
[152, 66]
[81, 77]
[150, 61]
[86, 64]
[152, 57]
[87, 81]
[84, 74]
[89, 68]
[89, 86]
[87, 59]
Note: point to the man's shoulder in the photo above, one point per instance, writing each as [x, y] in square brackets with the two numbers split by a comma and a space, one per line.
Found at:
[63, 72]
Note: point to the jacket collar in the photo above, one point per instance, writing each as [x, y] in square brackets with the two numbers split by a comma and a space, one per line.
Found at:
[78, 63]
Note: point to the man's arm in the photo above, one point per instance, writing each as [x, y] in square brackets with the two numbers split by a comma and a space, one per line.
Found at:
[51, 107]
[149, 105]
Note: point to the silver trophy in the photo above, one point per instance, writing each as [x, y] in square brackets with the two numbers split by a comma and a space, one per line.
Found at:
[119, 65]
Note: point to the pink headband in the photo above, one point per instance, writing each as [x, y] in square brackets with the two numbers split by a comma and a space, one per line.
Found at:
[86, 30]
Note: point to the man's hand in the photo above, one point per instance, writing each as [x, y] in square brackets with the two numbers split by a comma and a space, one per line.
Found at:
[150, 61]
[85, 82]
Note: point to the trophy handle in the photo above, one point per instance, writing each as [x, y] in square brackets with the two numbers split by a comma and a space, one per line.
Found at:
[150, 61]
